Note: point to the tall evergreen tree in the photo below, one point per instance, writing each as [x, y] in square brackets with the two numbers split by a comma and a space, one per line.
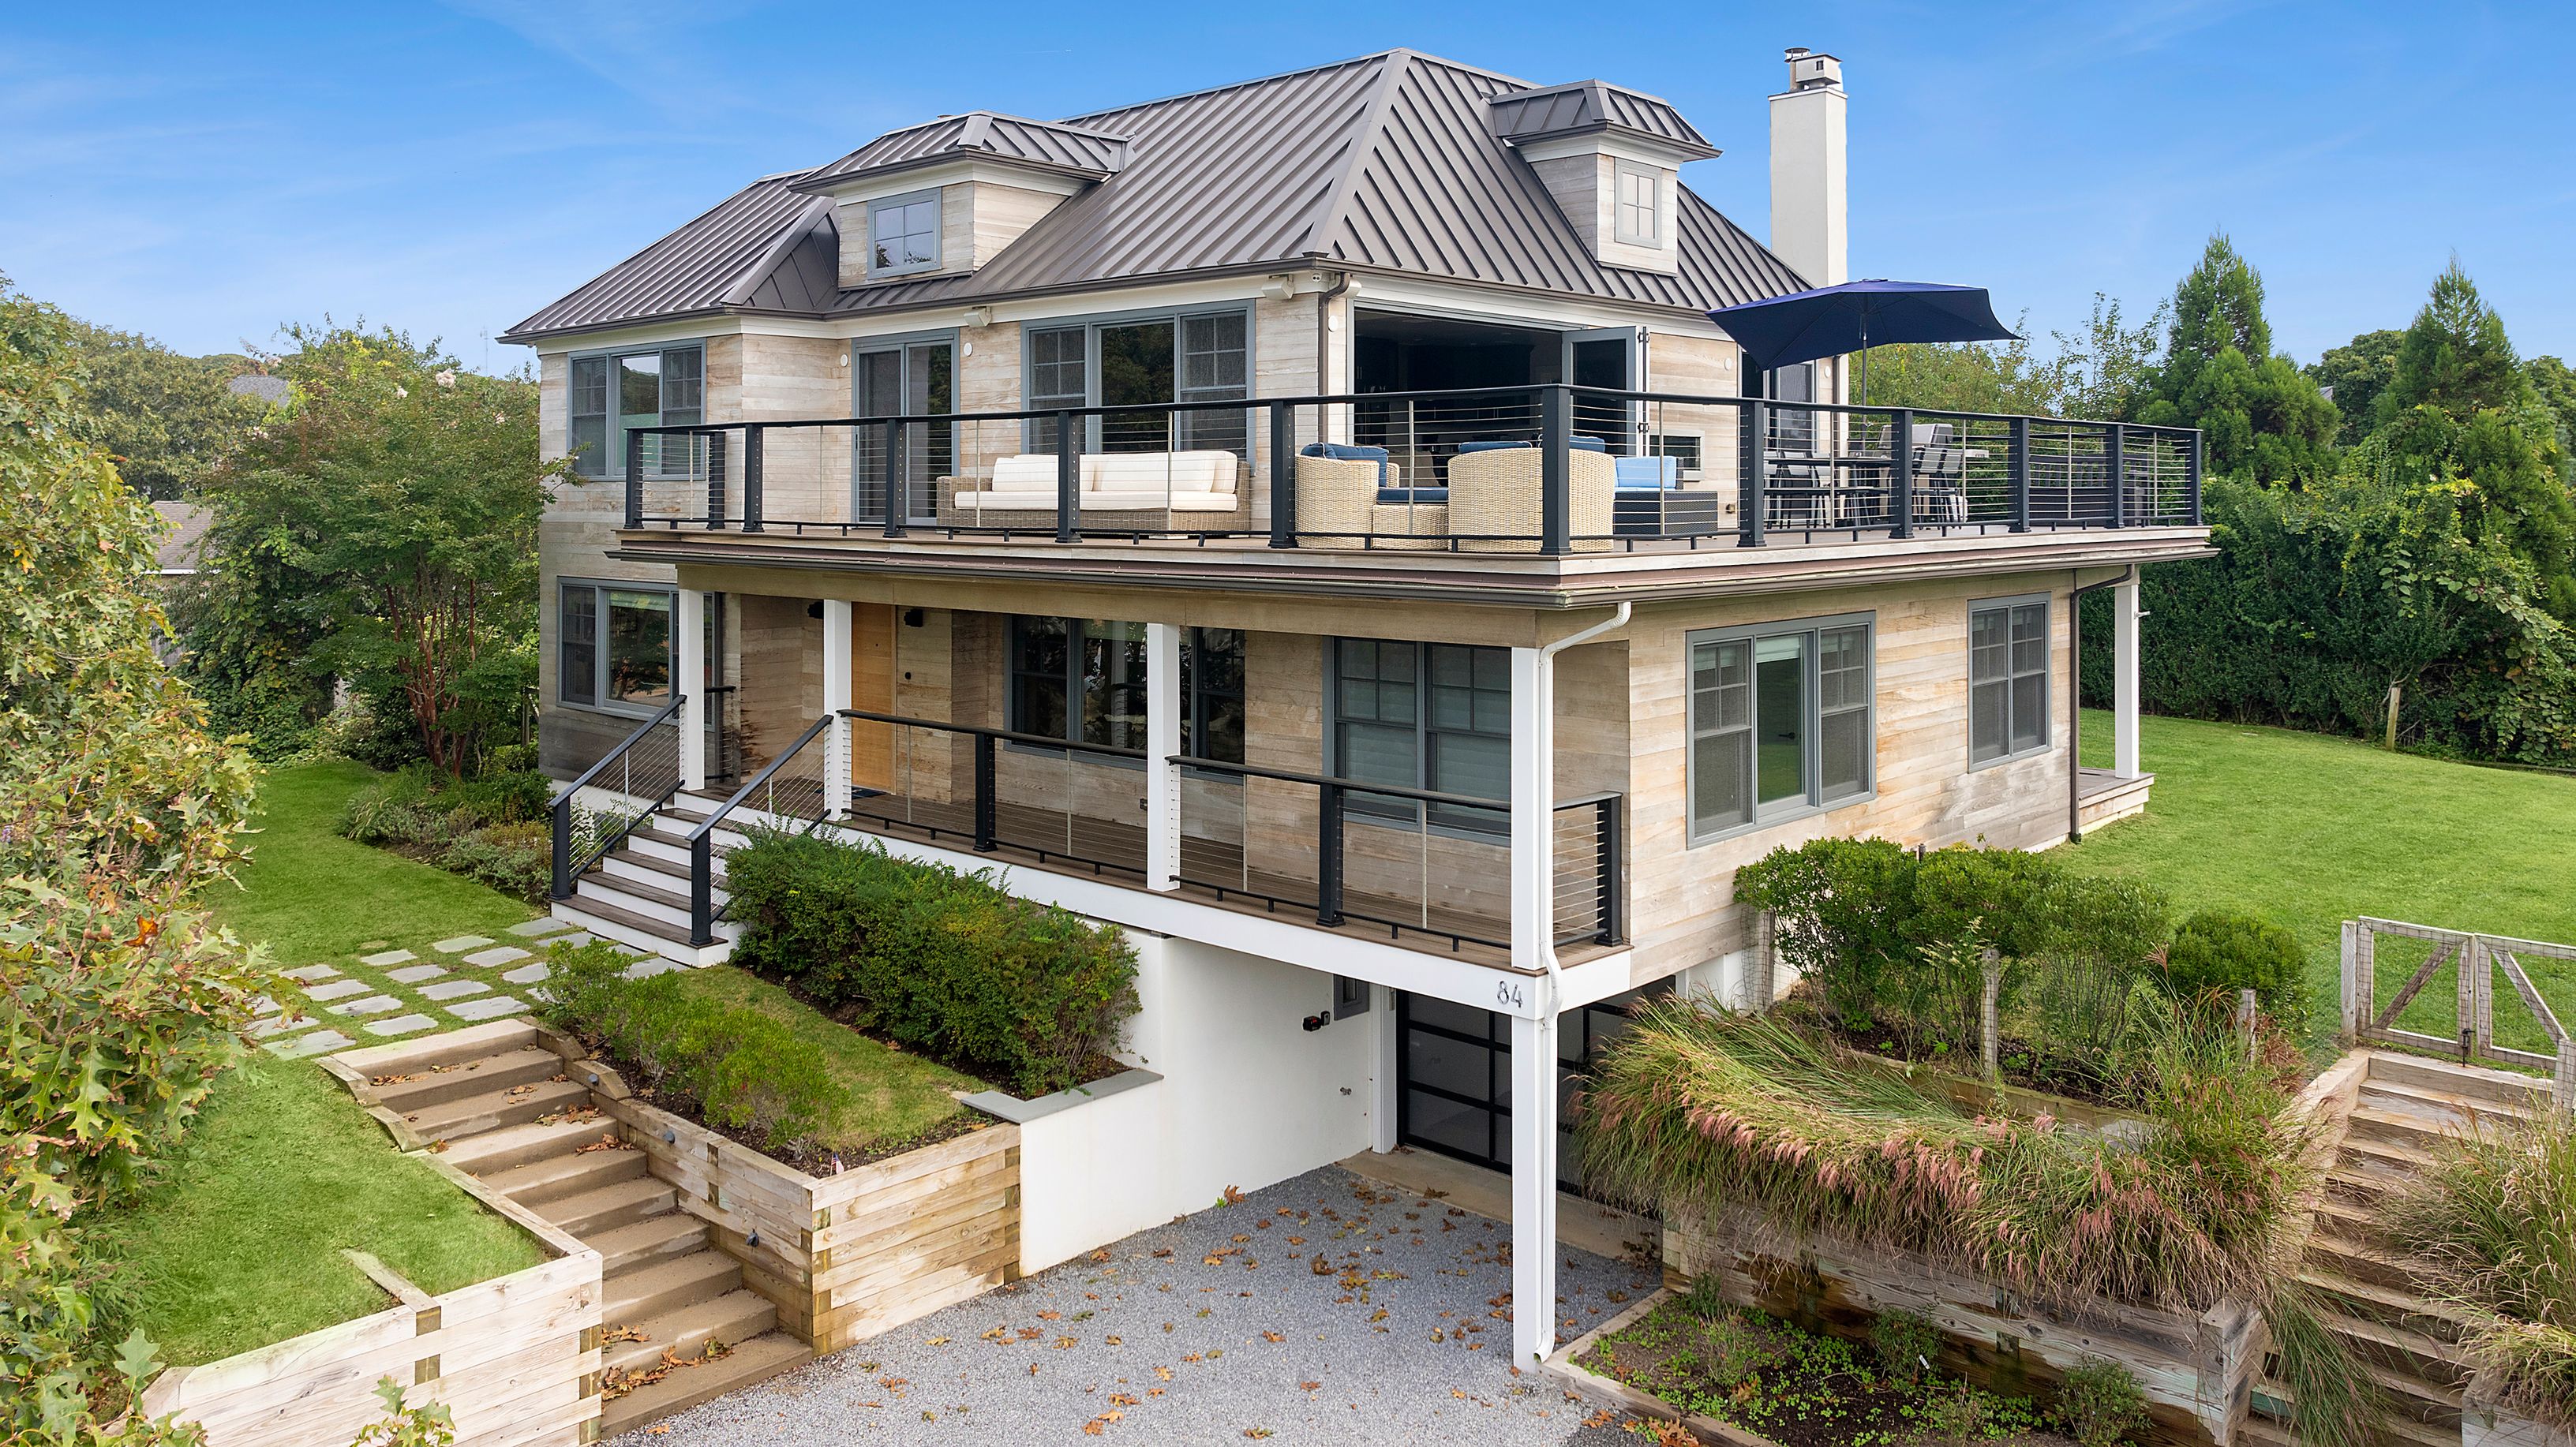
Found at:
[2263, 418]
[2353, 375]
[2455, 356]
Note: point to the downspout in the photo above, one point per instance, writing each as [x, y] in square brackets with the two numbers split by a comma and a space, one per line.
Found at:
[2075, 697]
[1618, 619]
[1324, 331]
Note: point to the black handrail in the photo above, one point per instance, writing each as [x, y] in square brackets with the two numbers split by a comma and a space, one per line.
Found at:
[564, 872]
[702, 854]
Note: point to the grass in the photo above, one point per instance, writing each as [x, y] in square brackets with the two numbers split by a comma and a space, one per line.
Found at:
[2307, 830]
[238, 1244]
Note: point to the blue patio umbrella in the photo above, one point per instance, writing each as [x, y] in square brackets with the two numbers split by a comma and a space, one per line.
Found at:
[1853, 316]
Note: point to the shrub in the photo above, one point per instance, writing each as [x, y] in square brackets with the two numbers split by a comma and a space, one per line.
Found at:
[1907, 1343]
[494, 828]
[2100, 1403]
[2223, 952]
[939, 961]
[1958, 1416]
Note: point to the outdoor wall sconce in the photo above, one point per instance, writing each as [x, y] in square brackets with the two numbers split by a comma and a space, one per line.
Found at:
[1318, 1021]
[913, 618]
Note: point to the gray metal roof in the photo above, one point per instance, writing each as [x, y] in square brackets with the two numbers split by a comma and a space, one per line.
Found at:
[1595, 105]
[1390, 162]
[1070, 150]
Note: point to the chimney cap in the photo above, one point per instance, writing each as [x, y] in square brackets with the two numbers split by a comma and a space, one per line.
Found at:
[1813, 69]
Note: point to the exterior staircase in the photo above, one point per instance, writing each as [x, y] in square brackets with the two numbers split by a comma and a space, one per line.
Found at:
[638, 893]
[2405, 1106]
[504, 1112]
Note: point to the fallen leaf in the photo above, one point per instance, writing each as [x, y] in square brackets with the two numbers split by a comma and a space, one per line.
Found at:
[1310, 1386]
[937, 1341]
[1272, 1336]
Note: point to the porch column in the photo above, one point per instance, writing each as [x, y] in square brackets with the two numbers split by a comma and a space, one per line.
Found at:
[2125, 680]
[1533, 1036]
[836, 697]
[1162, 740]
[689, 681]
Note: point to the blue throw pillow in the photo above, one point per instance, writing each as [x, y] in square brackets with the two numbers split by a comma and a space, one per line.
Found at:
[1413, 494]
[1591, 444]
[1345, 452]
[1466, 447]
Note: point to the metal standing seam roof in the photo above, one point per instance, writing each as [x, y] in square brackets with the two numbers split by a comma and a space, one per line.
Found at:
[1047, 144]
[1593, 105]
[1391, 162]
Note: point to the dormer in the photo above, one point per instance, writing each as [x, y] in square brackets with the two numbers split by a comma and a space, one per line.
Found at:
[1612, 158]
[945, 197]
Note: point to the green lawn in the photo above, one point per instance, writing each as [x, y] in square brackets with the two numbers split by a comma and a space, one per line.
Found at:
[2308, 831]
[894, 1097]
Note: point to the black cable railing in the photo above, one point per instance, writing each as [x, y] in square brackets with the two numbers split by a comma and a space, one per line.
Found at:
[922, 796]
[784, 791]
[644, 765]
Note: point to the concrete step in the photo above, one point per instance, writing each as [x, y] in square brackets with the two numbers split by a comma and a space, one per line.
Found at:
[734, 1317]
[592, 1213]
[566, 1174]
[2471, 1082]
[492, 1109]
[655, 1238]
[756, 1360]
[438, 1084]
[658, 1288]
[517, 1145]
[667, 940]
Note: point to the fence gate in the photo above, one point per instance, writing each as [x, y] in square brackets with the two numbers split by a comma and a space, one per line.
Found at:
[2473, 961]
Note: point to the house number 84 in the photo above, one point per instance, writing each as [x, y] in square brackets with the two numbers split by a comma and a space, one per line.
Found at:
[1507, 993]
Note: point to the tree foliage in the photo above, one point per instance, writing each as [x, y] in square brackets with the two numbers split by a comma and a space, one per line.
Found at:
[388, 511]
[162, 414]
[2097, 372]
[2354, 375]
[2263, 418]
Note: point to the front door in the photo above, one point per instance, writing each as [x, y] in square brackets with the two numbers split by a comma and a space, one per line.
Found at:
[872, 634]
[912, 379]
[1454, 1088]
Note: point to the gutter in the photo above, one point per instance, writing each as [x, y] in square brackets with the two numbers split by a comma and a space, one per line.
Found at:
[2075, 696]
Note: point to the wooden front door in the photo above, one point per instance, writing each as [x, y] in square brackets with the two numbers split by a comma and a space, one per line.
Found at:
[872, 628]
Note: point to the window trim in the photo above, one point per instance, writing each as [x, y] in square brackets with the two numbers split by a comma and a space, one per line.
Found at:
[1193, 700]
[1813, 629]
[2047, 671]
[599, 587]
[1090, 325]
[1422, 728]
[612, 446]
[938, 229]
[1622, 170]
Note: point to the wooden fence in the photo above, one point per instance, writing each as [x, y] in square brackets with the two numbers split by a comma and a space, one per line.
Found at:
[2477, 961]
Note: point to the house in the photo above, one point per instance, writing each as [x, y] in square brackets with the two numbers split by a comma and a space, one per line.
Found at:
[1314, 525]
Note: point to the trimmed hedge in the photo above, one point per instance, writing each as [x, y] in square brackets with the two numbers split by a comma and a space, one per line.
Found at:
[2223, 952]
[939, 961]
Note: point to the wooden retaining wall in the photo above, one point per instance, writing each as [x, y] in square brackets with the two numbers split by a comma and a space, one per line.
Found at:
[2197, 1371]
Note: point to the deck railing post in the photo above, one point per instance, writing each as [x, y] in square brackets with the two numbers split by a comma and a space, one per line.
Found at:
[635, 479]
[985, 804]
[1900, 474]
[2020, 474]
[561, 888]
[1283, 475]
[1749, 470]
[1607, 821]
[1068, 480]
[1328, 855]
[717, 447]
[896, 505]
[751, 451]
[1555, 493]
[2191, 476]
[2119, 478]
[702, 876]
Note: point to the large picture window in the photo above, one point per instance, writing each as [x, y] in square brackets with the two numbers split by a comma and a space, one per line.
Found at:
[613, 646]
[2007, 679]
[1781, 722]
[1434, 716]
[1084, 681]
[1140, 363]
[610, 394]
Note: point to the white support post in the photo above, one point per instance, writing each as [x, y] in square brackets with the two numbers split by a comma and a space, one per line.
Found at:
[1533, 806]
[1163, 704]
[836, 697]
[2125, 680]
[1533, 1188]
[689, 627]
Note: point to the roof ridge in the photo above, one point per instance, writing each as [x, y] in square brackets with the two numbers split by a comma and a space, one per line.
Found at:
[1386, 54]
[1399, 63]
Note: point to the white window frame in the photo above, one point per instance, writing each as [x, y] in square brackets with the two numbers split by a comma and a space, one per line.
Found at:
[1765, 816]
[1622, 209]
[938, 218]
[2045, 673]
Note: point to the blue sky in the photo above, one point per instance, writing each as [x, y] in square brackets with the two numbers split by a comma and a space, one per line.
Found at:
[206, 173]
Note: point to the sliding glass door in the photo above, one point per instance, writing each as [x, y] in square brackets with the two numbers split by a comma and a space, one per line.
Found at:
[912, 379]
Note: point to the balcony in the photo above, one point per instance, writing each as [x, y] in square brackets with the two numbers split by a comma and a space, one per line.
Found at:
[1549, 472]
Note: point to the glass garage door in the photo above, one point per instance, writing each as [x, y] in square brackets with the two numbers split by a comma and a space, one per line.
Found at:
[1455, 1091]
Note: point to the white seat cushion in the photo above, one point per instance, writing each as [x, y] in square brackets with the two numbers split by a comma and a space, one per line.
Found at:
[1130, 472]
[1125, 498]
[1027, 472]
[1018, 501]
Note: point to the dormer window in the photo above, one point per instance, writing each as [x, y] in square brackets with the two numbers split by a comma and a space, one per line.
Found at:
[903, 234]
[1640, 220]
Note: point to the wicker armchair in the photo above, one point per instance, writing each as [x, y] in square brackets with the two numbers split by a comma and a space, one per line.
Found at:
[1339, 495]
[1494, 499]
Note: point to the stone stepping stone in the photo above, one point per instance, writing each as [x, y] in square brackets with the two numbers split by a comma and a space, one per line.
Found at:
[453, 989]
[317, 1043]
[400, 1025]
[572, 941]
[262, 1005]
[460, 944]
[279, 1025]
[372, 1005]
[536, 927]
[498, 955]
[491, 1009]
[414, 974]
[338, 990]
[647, 969]
[311, 974]
[389, 957]
[529, 974]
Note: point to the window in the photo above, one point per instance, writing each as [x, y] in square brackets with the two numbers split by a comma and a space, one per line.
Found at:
[2007, 679]
[609, 394]
[613, 646]
[1793, 429]
[903, 234]
[1140, 363]
[1780, 722]
[1432, 716]
[1682, 447]
[1640, 198]
[1084, 680]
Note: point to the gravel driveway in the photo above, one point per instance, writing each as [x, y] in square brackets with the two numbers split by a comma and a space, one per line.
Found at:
[1215, 1328]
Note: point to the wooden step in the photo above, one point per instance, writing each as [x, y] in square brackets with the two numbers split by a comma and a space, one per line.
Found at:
[2410, 1128]
[2388, 1305]
[661, 931]
[2386, 1162]
[517, 1145]
[753, 1361]
[662, 865]
[567, 1174]
[2403, 1350]
[593, 1212]
[439, 1084]
[2442, 1106]
[2388, 1067]
[2415, 1399]
[735, 1317]
[658, 1288]
[2342, 1219]
[673, 1233]
[514, 1105]
[2393, 1428]
[2358, 1261]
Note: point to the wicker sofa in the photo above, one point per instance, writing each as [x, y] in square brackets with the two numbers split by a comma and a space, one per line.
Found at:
[1156, 491]
[1494, 498]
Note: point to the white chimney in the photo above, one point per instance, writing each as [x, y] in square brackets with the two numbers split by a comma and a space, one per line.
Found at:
[1810, 174]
